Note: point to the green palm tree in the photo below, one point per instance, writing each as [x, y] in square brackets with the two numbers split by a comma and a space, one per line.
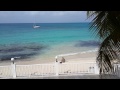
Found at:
[106, 26]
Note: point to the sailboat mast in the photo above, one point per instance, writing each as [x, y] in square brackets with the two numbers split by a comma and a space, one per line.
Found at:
[34, 24]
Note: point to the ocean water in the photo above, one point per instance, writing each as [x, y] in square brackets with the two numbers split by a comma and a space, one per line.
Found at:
[23, 41]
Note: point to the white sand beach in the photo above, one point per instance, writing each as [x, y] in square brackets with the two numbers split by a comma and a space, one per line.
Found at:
[85, 57]
[73, 64]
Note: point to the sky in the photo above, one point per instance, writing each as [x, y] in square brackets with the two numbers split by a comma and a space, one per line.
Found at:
[43, 16]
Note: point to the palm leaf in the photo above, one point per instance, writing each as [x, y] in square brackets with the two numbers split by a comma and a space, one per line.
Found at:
[106, 26]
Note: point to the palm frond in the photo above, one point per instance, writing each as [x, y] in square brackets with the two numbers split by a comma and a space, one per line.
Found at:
[106, 26]
[106, 54]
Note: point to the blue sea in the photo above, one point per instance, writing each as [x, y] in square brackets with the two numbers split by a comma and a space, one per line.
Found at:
[23, 41]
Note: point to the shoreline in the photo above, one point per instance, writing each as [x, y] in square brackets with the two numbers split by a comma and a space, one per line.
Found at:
[84, 57]
[83, 61]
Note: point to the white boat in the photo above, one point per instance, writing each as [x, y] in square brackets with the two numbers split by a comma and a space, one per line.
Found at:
[36, 26]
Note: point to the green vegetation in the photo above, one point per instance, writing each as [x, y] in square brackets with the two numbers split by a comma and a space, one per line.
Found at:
[106, 26]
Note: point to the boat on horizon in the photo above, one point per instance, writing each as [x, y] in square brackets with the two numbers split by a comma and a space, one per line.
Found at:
[36, 26]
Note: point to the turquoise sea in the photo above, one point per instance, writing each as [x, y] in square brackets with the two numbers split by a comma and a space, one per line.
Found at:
[23, 41]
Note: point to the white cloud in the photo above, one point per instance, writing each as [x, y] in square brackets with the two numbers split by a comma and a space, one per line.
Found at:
[33, 13]
[58, 13]
[42, 16]
[54, 13]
